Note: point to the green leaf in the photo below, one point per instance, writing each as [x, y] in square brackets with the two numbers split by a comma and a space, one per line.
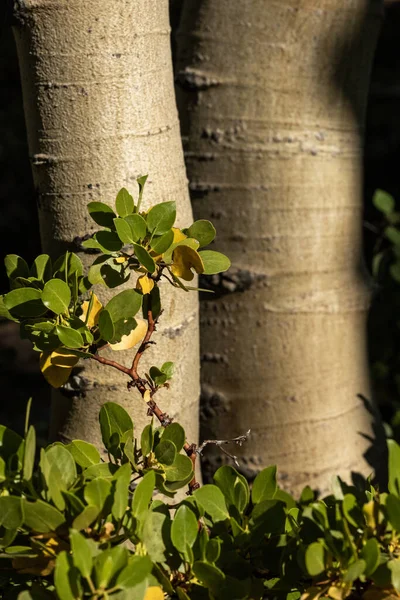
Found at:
[354, 571]
[69, 337]
[352, 511]
[393, 234]
[123, 478]
[157, 376]
[56, 296]
[315, 559]
[42, 268]
[371, 554]
[42, 517]
[213, 550]
[138, 227]
[143, 494]
[83, 453]
[66, 578]
[108, 564]
[124, 305]
[168, 369]
[113, 419]
[29, 454]
[394, 467]
[106, 326]
[15, 266]
[264, 486]
[136, 571]
[212, 500]
[141, 183]
[81, 553]
[161, 243]
[203, 231]
[109, 241]
[184, 529]
[11, 444]
[147, 440]
[24, 302]
[165, 452]
[392, 506]
[212, 577]
[144, 258]
[152, 535]
[180, 470]
[60, 473]
[124, 203]
[105, 470]
[176, 434]
[124, 231]
[96, 492]
[86, 518]
[394, 566]
[161, 217]
[383, 202]
[11, 512]
[214, 262]
[234, 487]
[101, 214]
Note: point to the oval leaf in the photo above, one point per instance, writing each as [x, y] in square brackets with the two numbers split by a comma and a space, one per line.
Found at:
[56, 296]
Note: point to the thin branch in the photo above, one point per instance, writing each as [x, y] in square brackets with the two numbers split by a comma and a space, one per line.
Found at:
[111, 363]
[239, 441]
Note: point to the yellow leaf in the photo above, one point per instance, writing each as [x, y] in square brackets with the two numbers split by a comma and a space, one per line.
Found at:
[120, 260]
[154, 593]
[56, 366]
[147, 396]
[184, 259]
[94, 312]
[178, 235]
[145, 284]
[133, 338]
[340, 591]
[369, 511]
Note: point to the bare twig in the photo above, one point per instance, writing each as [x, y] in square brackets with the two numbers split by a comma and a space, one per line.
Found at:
[239, 441]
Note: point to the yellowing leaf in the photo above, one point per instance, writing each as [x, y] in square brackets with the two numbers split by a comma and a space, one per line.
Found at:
[119, 260]
[56, 366]
[178, 235]
[94, 311]
[145, 284]
[147, 396]
[369, 514]
[340, 591]
[133, 338]
[184, 259]
[154, 593]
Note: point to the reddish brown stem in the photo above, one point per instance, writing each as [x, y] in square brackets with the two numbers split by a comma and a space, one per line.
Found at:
[140, 383]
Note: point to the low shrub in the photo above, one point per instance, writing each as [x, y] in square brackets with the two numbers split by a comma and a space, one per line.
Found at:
[74, 525]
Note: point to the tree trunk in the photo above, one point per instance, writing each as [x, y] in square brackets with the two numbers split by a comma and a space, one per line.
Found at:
[272, 97]
[100, 111]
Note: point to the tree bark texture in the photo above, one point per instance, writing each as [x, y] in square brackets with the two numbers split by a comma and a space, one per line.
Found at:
[272, 99]
[100, 110]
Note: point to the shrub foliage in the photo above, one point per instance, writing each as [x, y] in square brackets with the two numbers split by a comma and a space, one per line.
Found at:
[76, 523]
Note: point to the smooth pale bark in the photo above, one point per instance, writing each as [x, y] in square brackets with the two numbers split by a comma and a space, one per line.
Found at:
[272, 98]
[100, 111]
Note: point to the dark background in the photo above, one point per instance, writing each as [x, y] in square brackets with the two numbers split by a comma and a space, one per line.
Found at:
[19, 375]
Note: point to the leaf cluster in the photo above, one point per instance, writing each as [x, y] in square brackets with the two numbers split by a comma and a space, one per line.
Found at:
[74, 526]
[62, 316]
